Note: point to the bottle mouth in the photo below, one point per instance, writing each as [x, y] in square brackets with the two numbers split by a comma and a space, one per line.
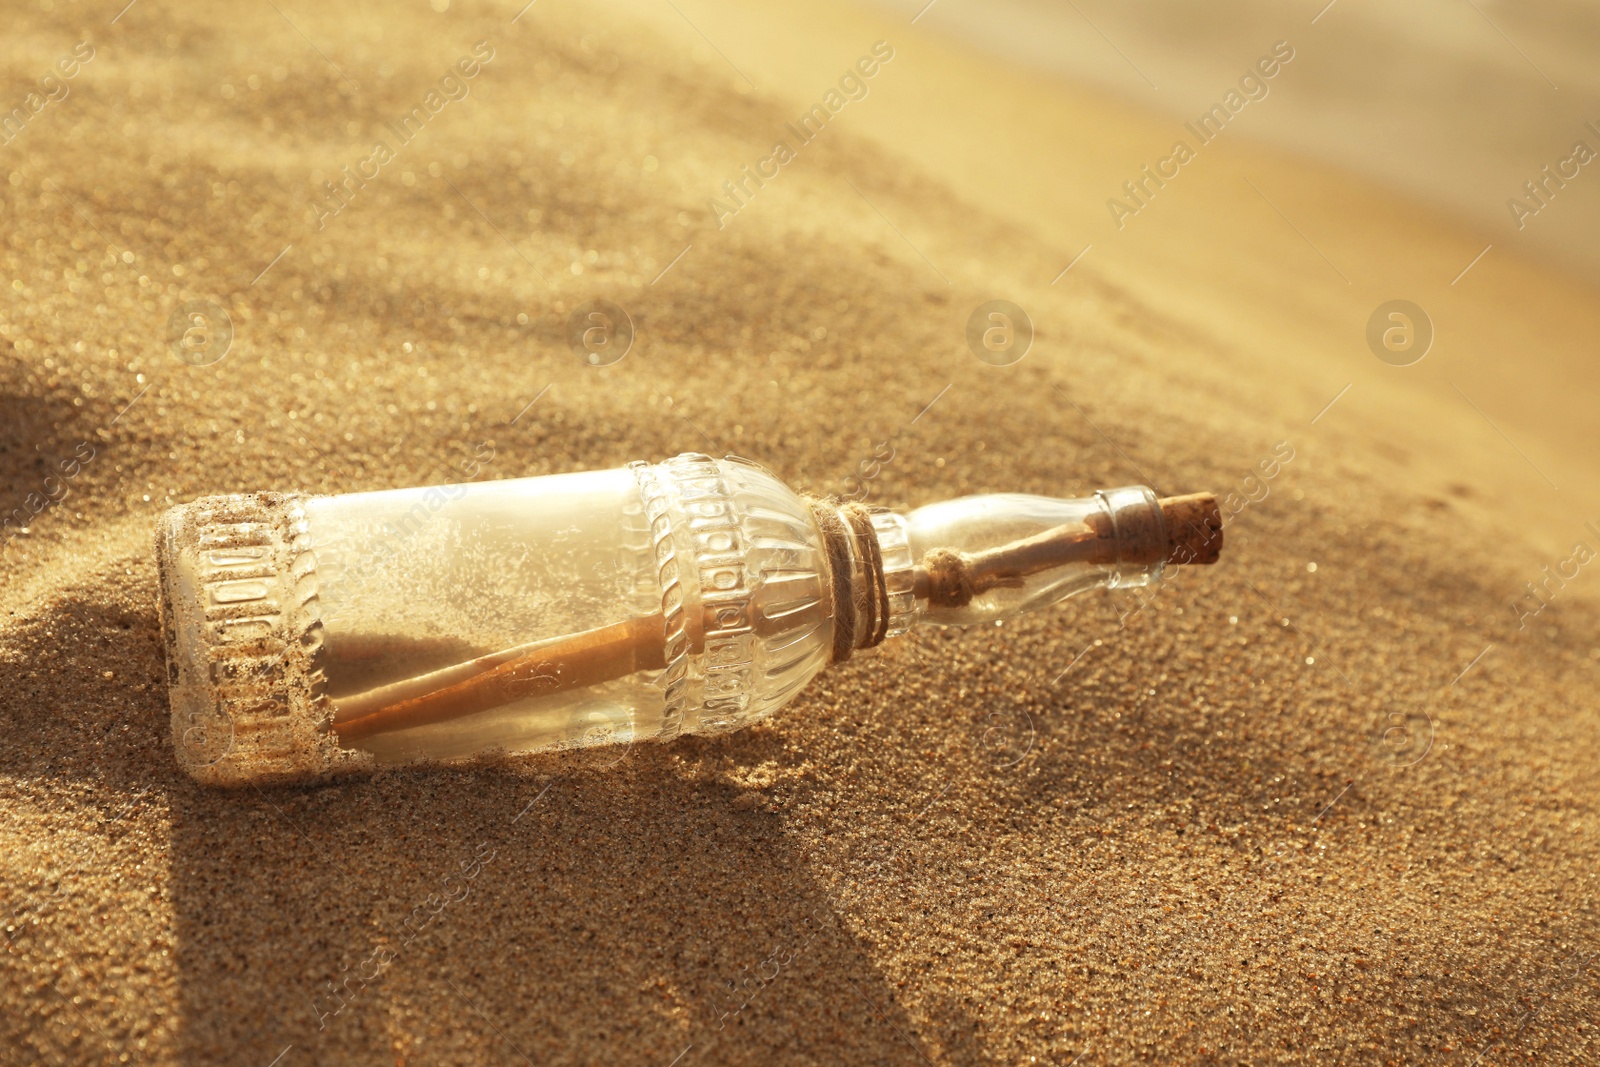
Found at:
[1151, 532]
[1139, 532]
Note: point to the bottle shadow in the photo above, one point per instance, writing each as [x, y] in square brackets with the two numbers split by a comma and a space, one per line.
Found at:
[616, 916]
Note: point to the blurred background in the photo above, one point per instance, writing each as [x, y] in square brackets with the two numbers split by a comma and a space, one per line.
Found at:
[1452, 103]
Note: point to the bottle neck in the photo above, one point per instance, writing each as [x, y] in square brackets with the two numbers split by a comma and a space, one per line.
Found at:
[981, 558]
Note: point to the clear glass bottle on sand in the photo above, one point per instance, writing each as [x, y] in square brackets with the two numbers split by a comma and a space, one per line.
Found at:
[309, 636]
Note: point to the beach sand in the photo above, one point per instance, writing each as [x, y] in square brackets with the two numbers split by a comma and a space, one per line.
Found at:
[1326, 802]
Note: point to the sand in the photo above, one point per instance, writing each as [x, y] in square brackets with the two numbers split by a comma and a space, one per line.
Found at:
[1322, 803]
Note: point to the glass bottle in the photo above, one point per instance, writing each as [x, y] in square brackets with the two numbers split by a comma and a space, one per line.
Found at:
[313, 635]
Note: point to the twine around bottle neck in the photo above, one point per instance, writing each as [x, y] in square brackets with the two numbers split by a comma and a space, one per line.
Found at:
[855, 568]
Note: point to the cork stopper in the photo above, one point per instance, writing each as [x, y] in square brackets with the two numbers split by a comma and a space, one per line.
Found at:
[1194, 528]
